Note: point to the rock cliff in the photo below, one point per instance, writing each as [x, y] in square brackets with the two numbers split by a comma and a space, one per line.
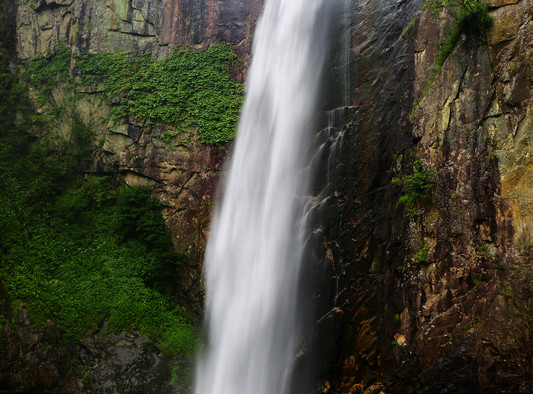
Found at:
[185, 176]
[153, 26]
[429, 297]
[182, 171]
[433, 297]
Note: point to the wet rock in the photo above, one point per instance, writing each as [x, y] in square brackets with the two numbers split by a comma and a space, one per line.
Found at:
[37, 359]
[138, 26]
[440, 324]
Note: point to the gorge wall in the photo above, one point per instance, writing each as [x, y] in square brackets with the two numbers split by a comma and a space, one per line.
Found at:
[183, 174]
[182, 171]
[436, 298]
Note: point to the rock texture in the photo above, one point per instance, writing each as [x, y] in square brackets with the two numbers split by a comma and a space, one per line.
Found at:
[140, 26]
[438, 301]
[99, 363]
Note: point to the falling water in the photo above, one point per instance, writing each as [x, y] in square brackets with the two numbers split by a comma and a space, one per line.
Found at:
[347, 38]
[256, 243]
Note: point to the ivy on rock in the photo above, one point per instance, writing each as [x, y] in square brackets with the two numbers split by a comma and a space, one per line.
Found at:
[193, 91]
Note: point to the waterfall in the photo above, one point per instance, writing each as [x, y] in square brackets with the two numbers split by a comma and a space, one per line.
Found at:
[255, 249]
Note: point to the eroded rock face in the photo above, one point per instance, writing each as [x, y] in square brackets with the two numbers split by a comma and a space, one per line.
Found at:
[39, 361]
[438, 301]
[139, 26]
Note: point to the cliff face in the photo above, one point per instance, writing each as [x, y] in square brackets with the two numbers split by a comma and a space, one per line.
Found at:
[432, 297]
[184, 175]
[436, 297]
[153, 26]
[182, 171]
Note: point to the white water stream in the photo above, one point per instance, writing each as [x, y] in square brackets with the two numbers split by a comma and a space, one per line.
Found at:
[254, 252]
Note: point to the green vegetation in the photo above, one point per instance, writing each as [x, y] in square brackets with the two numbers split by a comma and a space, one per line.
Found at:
[470, 17]
[190, 90]
[80, 249]
[409, 27]
[44, 73]
[421, 257]
[83, 250]
[416, 188]
[168, 136]
[526, 317]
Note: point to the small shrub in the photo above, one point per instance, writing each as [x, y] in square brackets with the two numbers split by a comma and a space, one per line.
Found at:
[421, 257]
[168, 136]
[470, 17]
[409, 27]
[416, 188]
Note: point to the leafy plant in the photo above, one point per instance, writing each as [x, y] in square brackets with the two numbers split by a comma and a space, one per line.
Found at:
[470, 17]
[416, 188]
[76, 251]
[168, 136]
[421, 257]
[409, 27]
[44, 73]
[190, 90]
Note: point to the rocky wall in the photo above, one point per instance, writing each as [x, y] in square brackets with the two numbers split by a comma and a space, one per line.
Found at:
[183, 173]
[139, 26]
[438, 300]
[98, 363]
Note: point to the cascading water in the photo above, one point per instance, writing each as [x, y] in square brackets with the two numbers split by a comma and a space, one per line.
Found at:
[256, 244]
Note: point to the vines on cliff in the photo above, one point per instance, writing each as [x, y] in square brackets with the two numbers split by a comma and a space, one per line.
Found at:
[192, 91]
[76, 249]
[417, 188]
[470, 17]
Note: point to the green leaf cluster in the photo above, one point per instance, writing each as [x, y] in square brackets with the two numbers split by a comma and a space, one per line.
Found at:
[416, 188]
[470, 17]
[44, 73]
[80, 251]
[421, 257]
[189, 90]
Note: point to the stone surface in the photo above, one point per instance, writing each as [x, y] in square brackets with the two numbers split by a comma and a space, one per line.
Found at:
[459, 321]
[139, 26]
[39, 361]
